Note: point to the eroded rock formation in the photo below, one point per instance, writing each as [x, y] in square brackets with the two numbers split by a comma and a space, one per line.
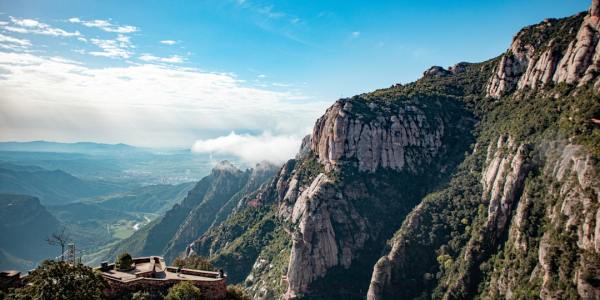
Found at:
[373, 140]
[533, 62]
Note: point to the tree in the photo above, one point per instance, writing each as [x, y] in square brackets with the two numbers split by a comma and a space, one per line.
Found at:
[124, 262]
[141, 295]
[194, 262]
[236, 292]
[61, 280]
[184, 290]
[59, 238]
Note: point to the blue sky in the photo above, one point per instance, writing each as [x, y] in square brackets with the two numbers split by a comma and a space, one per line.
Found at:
[291, 58]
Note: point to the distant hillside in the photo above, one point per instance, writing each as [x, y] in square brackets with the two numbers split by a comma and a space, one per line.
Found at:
[24, 226]
[151, 199]
[51, 187]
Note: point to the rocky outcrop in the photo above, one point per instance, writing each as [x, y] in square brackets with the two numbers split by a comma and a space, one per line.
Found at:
[576, 214]
[371, 139]
[536, 59]
[581, 61]
[315, 246]
[436, 71]
[501, 181]
[510, 69]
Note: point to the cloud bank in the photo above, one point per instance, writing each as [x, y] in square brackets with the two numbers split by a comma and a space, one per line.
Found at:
[53, 98]
[253, 149]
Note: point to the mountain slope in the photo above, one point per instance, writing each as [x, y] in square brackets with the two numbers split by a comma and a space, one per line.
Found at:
[213, 196]
[520, 220]
[24, 226]
[328, 213]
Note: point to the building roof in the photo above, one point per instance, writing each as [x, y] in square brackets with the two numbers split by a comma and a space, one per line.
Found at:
[154, 267]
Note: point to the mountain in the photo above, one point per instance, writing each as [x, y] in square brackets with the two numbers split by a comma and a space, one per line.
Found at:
[24, 227]
[529, 224]
[206, 205]
[476, 181]
[50, 186]
[80, 147]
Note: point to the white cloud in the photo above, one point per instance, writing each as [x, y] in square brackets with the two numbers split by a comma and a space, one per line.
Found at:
[15, 41]
[176, 59]
[252, 148]
[104, 25]
[117, 48]
[36, 27]
[355, 34]
[149, 105]
[168, 42]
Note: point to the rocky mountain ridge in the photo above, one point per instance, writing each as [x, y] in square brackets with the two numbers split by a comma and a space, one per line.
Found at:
[210, 201]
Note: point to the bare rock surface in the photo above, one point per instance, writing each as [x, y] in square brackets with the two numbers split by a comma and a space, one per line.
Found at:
[400, 141]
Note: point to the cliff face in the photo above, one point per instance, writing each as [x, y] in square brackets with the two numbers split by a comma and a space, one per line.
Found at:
[534, 60]
[400, 140]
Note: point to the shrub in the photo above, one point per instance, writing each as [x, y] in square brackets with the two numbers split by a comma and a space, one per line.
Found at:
[236, 292]
[194, 262]
[183, 291]
[124, 262]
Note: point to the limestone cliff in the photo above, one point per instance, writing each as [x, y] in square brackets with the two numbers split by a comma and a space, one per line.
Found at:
[401, 140]
[534, 60]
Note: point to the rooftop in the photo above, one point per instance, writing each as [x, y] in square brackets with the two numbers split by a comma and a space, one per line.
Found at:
[154, 267]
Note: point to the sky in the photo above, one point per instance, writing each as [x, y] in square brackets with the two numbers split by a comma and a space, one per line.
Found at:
[241, 77]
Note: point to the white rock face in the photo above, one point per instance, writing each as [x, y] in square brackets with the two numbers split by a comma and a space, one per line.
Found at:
[315, 246]
[525, 66]
[342, 136]
[501, 181]
[578, 210]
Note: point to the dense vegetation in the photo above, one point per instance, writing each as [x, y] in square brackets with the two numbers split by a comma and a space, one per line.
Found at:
[59, 280]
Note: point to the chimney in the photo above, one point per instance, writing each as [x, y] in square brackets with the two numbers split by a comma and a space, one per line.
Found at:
[595, 9]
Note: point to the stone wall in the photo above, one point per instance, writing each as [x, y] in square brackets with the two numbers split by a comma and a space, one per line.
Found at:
[211, 290]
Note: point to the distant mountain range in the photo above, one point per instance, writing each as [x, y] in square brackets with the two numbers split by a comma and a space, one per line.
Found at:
[50, 186]
[113, 163]
[24, 226]
[88, 148]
